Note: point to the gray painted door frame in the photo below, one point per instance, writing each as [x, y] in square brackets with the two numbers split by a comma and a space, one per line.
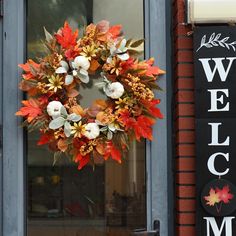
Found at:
[12, 162]
[159, 153]
[13, 200]
[1, 64]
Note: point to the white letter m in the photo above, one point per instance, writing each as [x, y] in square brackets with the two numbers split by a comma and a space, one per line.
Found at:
[226, 223]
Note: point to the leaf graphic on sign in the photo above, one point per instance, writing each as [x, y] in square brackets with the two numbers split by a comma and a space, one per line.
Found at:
[224, 194]
[215, 41]
[212, 198]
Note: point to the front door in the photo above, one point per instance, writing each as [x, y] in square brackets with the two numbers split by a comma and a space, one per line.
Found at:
[43, 198]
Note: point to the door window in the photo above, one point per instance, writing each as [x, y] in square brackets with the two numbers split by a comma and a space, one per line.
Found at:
[62, 201]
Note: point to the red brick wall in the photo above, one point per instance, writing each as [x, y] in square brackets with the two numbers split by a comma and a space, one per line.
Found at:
[184, 123]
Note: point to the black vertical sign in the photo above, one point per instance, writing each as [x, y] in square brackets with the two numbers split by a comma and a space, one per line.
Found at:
[215, 96]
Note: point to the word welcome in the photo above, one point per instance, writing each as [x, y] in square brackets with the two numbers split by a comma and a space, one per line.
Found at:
[218, 68]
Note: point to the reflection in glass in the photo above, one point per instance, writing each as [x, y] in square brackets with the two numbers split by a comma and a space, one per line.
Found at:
[62, 201]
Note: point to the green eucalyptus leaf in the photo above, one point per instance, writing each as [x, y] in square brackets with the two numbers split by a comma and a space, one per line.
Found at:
[73, 117]
[83, 78]
[103, 129]
[100, 84]
[57, 123]
[67, 129]
[109, 135]
[63, 111]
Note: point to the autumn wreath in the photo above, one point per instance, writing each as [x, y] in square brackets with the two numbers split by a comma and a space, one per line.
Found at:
[104, 129]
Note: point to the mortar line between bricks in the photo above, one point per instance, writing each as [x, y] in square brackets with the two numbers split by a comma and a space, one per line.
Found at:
[177, 157]
[186, 198]
[183, 50]
[184, 143]
[186, 225]
[184, 63]
[185, 171]
[189, 145]
[184, 77]
[177, 90]
[179, 103]
[186, 116]
[175, 29]
[185, 89]
[184, 130]
[183, 37]
[186, 185]
[186, 212]
[190, 157]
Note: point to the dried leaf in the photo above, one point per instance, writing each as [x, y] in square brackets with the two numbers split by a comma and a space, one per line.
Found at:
[62, 145]
[56, 157]
[77, 110]
[72, 93]
[128, 42]
[97, 158]
[94, 65]
[133, 52]
[48, 36]
[101, 148]
[137, 43]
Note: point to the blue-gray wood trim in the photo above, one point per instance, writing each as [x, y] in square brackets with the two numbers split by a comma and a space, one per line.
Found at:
[13, 158]
[1, 57]
[159, 155]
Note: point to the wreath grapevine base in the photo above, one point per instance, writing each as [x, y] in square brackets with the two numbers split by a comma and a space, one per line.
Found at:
[104, 129]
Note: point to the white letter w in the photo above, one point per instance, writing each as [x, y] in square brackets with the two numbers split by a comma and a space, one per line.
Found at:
[218, 66]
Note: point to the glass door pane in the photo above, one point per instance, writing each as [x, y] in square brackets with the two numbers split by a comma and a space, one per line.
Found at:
[62, 201]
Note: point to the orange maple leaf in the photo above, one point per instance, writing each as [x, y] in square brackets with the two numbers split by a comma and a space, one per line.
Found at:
[143, 127]
[213, 198]
[30, 68]
[153, 70]
[113, 152]
[82, 160]
[152, 109]
[44, 139]
[30, 110]
[66, 37]
[115, 31]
